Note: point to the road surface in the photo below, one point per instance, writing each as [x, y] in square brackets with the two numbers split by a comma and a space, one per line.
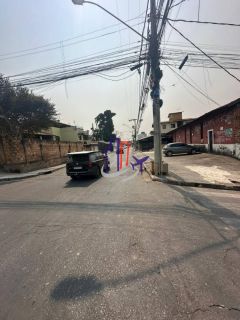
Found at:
[120, 248]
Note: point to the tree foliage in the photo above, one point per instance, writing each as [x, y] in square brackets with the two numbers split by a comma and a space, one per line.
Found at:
[105, 127]
[22, 112]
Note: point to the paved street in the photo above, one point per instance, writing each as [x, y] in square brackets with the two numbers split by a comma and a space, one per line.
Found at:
[117, 249]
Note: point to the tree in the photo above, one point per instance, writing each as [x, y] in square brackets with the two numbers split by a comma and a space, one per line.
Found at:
[105, 125]
[22, 112]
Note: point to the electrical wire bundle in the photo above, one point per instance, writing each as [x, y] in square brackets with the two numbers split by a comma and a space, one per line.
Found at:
[112, 60]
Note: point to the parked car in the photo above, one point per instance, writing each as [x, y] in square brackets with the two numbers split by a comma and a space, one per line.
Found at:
[84, 163]
[178, 148]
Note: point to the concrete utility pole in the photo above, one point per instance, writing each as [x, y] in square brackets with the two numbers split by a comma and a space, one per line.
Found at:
[135, 130]
[156, 75]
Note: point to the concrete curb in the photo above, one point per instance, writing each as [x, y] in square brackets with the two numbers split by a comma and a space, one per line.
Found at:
[191, 184]
[27, 176]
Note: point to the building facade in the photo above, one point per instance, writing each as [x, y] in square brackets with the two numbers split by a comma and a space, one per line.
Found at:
[141, 135]
[218, 130]
[175, 121]
[60, 132]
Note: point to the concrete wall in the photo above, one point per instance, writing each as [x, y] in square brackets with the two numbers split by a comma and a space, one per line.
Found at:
[28, 155]
[232, 150]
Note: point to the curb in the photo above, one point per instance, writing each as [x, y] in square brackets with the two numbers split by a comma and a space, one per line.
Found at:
[191, 184]
[47, 171]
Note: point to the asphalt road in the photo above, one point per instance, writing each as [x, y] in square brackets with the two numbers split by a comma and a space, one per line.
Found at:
[120, 248]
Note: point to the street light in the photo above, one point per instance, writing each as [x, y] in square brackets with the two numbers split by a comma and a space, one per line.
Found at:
[81, 2]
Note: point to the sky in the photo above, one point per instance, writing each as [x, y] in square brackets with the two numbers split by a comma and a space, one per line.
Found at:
[28, 24]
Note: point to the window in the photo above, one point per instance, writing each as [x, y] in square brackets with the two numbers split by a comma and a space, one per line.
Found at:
[79, 157]
[164, 126]
[173, 125]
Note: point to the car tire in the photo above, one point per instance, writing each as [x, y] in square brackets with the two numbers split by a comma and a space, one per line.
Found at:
[98, 174]
[193, 151]
[169, 153]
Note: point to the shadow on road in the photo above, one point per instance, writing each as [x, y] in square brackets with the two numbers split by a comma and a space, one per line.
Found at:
[72, 288]
[80, 287]
[80, 182]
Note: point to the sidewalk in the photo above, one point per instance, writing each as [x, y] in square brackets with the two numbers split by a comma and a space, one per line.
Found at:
[5, 176]
[201, 170]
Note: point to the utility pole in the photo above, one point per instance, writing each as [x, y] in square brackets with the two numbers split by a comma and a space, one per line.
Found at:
[156, 75]
[135, 131]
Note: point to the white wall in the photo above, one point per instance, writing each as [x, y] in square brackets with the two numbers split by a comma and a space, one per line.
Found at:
[227, 149]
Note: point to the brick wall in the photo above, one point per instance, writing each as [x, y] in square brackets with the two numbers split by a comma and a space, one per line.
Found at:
[2, 156]
[27, 155]
[226, 128]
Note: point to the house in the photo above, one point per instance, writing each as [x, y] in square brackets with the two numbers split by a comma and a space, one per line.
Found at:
[83, 135]
[59, 132]
[175, 121]
[217, 130]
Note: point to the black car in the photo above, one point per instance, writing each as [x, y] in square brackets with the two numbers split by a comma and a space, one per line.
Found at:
[84, 163]
[178, 148]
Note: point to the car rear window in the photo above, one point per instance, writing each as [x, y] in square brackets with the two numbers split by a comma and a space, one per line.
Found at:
[79, 157]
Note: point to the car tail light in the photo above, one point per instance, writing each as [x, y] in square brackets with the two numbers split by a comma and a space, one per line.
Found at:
[90, 164]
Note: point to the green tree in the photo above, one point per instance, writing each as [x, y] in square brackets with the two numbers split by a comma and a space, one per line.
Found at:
[105, 125]
[22, 112]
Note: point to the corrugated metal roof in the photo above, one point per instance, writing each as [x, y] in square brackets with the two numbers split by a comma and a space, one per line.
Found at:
[226, 107]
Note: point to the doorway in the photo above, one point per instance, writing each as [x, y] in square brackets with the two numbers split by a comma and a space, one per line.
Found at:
[210, 140]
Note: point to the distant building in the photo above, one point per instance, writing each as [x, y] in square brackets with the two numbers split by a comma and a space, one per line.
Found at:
[83, 134]
[217, 130]
[141, 135]
[175, 121]
[59, 132]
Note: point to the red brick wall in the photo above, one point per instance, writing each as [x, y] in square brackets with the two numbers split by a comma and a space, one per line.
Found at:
[180, 135]
[34, 153]
[32, 150]
[196, 134]
[222, 125]
[14, 151]
[226, 127]
[2, 157]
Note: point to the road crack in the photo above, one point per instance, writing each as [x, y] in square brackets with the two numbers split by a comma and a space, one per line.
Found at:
[219, 306]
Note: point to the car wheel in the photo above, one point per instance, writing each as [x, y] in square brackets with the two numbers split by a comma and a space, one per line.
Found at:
[169, 153]
[193, 151]
[98, 174]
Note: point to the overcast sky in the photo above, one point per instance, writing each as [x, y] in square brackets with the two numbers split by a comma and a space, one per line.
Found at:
[30, 23]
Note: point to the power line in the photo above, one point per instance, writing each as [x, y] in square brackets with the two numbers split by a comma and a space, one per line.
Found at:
[177, 4]
[232, 75]
[190, 84]
[56, 75]
[106, 78]
[59, 45]
[68, 39]
[179, 8]
[206, 22]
